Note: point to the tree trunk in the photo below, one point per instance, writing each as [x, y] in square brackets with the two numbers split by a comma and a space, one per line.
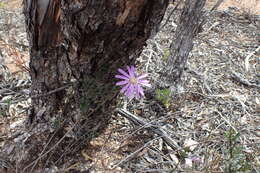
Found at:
[187, 29]
[75, 50]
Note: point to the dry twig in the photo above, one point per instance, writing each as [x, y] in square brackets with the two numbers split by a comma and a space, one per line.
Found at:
[156, 129]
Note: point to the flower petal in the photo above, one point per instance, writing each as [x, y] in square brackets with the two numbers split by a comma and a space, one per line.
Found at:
[141, 91]
[131, 71]
[137, 94]
[144, 83]
[142, 76]
[130, 91]
[123, 82]
[123, 72]
[124, 88]
[121, 77]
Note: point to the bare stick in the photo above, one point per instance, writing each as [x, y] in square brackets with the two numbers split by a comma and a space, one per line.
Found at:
[158, 130]
[237, 77]
[133, 154]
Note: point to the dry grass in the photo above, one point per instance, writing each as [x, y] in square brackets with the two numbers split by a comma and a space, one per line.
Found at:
[214, 118]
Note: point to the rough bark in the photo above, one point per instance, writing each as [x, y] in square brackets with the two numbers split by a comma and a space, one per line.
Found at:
[80, 42]
[188, 27]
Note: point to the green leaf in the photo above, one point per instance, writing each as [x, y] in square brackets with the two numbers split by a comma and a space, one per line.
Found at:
[163, 96]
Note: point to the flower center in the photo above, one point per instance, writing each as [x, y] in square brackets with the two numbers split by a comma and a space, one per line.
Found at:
[133, 80]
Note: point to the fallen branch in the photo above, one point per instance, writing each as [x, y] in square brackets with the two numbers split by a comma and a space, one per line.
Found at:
[129, 157]
[235, 76]
[156, 129]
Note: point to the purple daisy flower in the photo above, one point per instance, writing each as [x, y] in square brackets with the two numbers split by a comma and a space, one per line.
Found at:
[132, 84]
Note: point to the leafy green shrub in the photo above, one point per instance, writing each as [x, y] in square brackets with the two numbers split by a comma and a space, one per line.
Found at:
[237, 161]
[163, 96]
[166, 54]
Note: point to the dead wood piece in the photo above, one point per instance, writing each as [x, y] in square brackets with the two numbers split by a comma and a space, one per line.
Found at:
[235, 76]
[156, 129]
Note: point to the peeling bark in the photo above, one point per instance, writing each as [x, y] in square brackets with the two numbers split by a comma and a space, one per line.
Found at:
[83, 42]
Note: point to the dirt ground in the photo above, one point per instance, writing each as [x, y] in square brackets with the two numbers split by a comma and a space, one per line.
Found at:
[214, 118]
